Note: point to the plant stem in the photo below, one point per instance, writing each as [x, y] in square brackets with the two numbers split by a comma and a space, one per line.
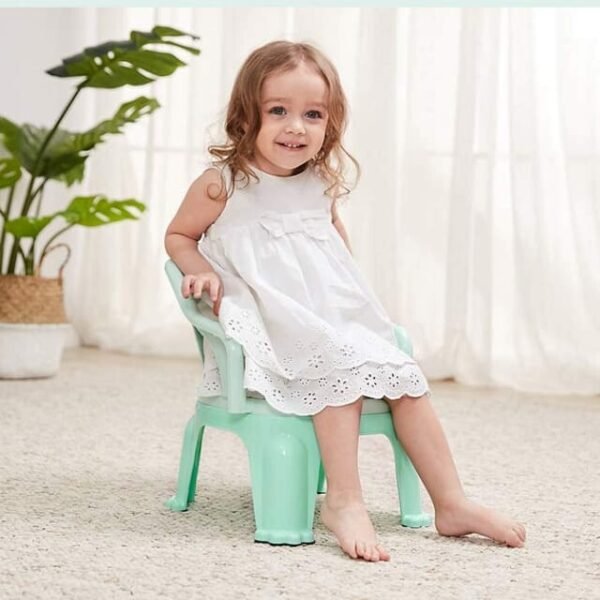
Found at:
[6, 216]
[39, 191]
[22, 255]
[30, 262]
[29, 196]
[29, 259]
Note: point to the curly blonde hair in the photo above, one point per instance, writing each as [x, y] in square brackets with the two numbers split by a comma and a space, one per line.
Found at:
[244, 108]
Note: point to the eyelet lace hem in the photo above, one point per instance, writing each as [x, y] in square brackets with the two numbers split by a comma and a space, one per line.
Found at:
[305, 396]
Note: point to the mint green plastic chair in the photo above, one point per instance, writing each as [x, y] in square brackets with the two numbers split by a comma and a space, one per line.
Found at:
[285, 466]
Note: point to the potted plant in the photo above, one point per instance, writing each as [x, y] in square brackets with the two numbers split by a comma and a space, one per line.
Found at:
[32, 317]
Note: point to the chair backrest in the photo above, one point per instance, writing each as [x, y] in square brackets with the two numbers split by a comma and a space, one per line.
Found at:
[402, 340]
[228, 353]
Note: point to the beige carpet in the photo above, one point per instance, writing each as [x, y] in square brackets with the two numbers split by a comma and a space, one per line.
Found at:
[89, 457]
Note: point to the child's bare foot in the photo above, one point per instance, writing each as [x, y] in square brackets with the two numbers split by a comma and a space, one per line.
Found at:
[463, 516]
[349, 521]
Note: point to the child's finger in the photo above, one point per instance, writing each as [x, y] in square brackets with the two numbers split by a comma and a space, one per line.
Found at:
[186, 285]
[216, 295]
[214, 290]
[199, 286]
[217, 305]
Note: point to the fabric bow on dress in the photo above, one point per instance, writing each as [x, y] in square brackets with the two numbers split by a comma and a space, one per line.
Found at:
[312, 222]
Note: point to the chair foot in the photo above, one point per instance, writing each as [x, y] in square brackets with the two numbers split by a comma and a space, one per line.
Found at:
[284, 538]
[188, 466]
[416, 520]
[176, 504]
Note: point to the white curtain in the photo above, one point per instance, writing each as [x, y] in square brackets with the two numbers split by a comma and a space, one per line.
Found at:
[476, 219]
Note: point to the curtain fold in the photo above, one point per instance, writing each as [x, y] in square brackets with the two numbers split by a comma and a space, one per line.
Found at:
[476, 218]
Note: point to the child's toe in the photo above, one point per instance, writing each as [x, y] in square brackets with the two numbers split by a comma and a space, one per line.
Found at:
[513, 537]
[383, 553]
[360, 549]
[375, 557]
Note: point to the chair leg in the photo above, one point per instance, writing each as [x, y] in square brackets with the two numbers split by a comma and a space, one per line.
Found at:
[322, 484]
[409, 490]
[188, 466]
[284, 463]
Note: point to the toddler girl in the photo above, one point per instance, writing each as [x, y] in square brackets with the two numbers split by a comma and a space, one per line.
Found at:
[274, 258]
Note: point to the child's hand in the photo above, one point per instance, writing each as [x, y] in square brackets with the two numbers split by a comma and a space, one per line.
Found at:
[196, 284]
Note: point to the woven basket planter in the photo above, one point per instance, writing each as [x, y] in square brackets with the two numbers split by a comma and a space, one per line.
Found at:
[32, 326]
[31, 299]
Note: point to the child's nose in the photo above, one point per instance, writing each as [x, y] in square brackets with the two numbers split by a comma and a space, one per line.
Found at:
[295, 125]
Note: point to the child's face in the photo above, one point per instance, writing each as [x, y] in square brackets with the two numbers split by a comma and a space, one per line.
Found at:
[293, 113]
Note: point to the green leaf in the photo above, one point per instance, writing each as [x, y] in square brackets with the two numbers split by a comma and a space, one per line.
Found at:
[191, 49]
[129, 112]
[142, 38]
[75, 66]
[10, 172]
[106, 48]
[94, 211]
[55, 167]
[9, 134]
[166, 31]
[28, 144]
[88, 211]
[65, 156]
[151, 61]
[115, 64]
[117, 75]
[27, 227]
[60, 156]
[74, 175]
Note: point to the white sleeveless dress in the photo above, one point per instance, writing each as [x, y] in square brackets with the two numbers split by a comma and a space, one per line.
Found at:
[312, 330]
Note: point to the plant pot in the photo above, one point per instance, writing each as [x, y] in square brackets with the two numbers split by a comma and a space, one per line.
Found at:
[30, 350]
[32, 326]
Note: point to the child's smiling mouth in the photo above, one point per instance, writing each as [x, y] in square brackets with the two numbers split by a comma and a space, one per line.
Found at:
[291, 147]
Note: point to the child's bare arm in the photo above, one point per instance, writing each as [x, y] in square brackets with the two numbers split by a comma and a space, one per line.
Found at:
[196, 213]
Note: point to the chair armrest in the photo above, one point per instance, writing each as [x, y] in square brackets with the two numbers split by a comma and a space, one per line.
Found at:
[189, 305]
[228, 353]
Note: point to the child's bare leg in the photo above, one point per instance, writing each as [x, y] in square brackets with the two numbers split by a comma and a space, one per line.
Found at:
[423, 438]
[343, 511]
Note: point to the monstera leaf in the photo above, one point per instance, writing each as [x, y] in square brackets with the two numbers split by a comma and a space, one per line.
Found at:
[88, 211]
[28, 227]
[129, 112]
[94, 211]
[66, 152]
[115, 64]
[58, 159]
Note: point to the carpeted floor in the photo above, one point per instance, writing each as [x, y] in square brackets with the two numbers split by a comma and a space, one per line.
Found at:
[89, 457]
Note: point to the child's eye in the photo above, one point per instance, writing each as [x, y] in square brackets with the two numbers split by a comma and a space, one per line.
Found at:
[314, 114]
[277, 110]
